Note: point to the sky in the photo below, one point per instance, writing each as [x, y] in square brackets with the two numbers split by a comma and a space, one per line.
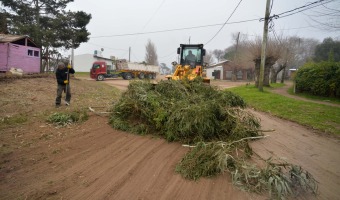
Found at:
[169, 23]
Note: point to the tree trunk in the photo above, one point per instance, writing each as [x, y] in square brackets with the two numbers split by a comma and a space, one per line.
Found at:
[257, 71]
[3, 23]
[283, 74]
[268, 64]
[266, 74]
[273, 73]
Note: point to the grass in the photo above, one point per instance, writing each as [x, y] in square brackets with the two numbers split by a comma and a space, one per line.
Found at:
[320, 117]
[276, 85]
[313, 97]
[64, 119]
[82, 74]
[13, 120]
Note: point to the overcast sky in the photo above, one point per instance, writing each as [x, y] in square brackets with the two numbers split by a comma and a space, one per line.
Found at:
[113, 21]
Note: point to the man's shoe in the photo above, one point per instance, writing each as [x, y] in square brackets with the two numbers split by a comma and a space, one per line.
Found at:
[67, 103]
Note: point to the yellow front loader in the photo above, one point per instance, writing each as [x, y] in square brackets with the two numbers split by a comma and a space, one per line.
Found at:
[191, 63]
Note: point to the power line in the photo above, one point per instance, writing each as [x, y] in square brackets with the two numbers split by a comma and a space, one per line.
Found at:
[153, 15]
[147, 23]
[224, 23]
[298, 8]
[212, 25]
[307, 8]
[106, 47]
[176, 29]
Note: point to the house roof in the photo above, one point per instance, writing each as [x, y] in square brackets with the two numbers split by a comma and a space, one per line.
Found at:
[219, 63]
[10, 38]
[7, 38]
[96, 56]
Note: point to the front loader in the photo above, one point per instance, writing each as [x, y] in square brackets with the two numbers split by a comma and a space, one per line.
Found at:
[191, 63]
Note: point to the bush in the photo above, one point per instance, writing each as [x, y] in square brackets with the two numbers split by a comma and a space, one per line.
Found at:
[64, 119]
[321, 79]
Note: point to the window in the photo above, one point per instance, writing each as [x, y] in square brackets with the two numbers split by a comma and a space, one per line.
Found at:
[36, 53]
[96, 66]
[239, 75]
[193, 51]
[30, 52]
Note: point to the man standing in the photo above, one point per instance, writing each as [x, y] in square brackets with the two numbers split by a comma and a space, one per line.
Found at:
[62, 75]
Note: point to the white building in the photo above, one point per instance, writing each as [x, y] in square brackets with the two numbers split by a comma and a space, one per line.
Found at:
[210, 71]
[83, 62]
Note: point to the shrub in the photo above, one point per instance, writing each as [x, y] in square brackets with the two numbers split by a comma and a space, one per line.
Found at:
[321, 79]
[64, 119]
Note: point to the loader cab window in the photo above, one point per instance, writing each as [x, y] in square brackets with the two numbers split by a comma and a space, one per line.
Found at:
[191, 55]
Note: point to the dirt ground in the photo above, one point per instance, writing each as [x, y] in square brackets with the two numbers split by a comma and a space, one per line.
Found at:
[93, 161]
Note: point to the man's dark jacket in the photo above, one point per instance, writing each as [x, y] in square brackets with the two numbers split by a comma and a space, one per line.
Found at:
[61, 75]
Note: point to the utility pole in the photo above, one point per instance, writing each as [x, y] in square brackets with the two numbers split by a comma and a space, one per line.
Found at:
[235, 68]
[189, 39]
[264, 46]
[237, 39]
[129, 53]
[72, 55]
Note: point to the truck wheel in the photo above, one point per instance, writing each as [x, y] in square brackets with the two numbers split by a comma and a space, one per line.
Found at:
[141, 75]
[149, 76]
[128, 76]
[153, 76]
[100, 77]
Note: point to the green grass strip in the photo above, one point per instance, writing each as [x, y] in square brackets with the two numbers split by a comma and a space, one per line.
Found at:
[320, 117]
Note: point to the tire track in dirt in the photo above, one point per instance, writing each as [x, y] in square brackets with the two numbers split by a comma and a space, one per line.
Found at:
[103, 163]
[318, 154]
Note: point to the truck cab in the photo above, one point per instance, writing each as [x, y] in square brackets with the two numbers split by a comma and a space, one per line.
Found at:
[101, 70]
[121, 68]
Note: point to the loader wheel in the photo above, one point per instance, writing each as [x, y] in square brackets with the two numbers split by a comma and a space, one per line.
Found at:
[128, 76]
[153, 76]
[149, 76]
[100, 77]
[141, 75]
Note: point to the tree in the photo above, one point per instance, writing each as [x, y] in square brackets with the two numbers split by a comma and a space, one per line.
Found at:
[47, 23]
[218, 54]
[208, 58]
[326, 48]
[164, 68]
[151, 57]
[273, 53]
[3, 22]
[239, 54]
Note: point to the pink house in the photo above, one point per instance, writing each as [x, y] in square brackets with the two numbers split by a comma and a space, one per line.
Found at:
[19, 51]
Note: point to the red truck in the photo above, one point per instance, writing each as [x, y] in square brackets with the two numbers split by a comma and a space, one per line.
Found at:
[120, 68]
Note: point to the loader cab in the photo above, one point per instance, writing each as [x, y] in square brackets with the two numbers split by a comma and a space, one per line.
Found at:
[191, 54]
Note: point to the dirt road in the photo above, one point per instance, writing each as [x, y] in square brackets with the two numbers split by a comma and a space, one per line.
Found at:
[93, 161]
[299, 145]
[101, 163]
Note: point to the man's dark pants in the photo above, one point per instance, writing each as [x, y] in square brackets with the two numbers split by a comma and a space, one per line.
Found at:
[60, 90]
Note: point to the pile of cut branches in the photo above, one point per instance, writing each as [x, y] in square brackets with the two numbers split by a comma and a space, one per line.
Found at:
[185, 111]
[279, 178]
[215, 122]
